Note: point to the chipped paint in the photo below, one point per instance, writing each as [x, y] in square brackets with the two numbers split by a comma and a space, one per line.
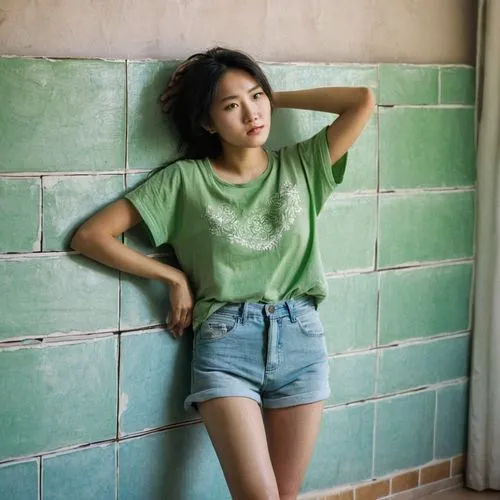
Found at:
[123, 405]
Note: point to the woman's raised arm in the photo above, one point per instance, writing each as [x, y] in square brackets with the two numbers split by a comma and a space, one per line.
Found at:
[354, 105]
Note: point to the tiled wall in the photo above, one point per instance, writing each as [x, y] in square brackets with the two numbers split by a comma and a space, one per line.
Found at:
[91, 386]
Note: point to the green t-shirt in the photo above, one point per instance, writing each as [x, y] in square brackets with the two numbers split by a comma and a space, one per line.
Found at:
[244, 242]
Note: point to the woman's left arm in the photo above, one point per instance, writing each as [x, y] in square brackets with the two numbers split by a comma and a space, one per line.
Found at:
[354, 105]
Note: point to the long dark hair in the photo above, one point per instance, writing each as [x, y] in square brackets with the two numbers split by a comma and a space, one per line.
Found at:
[190, 93]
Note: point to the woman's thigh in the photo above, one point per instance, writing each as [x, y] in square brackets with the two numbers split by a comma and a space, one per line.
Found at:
[291, 436]
[236, 429]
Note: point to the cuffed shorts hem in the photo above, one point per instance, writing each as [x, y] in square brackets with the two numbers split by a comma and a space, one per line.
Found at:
[296, 399]
[193, 400]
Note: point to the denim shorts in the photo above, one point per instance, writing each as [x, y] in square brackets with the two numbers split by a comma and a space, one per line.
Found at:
[275, 354]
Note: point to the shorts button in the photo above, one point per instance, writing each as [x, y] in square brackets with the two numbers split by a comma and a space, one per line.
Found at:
[271, 309]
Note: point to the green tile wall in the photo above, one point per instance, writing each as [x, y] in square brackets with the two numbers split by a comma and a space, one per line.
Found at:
[422, 302]
[347, 230]
[404, 433]
[19, 481]
[91, 379]
[150, 139]
[68, 201]
[152, 395]
[57, 395]
[350, 324]
[409, 84]
[62, 115]
[20, 222]
[416, 365]
[56, 294]
[178, 463]
[84, 473]
[451, 423]
[426, 147]
[143, 302]
[457, 85]
[344, 453]
[352, 377]
[425, 227]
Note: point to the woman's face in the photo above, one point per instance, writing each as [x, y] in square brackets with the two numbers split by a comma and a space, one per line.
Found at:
[241, 111]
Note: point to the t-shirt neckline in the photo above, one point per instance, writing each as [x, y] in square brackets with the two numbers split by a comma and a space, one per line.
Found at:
[258, 180]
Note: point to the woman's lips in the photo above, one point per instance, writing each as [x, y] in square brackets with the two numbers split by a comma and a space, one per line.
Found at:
[256, 130]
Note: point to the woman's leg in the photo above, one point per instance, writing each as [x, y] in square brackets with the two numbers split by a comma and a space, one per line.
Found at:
[291, 435]
[236, 429]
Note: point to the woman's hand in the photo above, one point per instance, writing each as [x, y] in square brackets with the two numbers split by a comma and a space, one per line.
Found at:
[181, 306]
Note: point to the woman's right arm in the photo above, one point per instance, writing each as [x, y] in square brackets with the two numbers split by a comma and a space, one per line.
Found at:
[96, 239]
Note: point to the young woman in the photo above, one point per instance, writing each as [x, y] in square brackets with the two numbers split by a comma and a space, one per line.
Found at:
[242, 223]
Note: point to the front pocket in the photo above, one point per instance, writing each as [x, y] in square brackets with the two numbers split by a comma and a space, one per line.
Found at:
[217, 326]
[310, 324]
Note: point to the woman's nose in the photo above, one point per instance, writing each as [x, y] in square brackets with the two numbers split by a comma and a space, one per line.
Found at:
[251, 114]
[251, 117]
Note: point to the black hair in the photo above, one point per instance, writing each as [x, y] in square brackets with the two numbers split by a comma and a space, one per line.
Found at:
[191, 91]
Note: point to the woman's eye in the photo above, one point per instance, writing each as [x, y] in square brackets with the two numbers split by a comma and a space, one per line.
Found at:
[231, 106]
[258, 95]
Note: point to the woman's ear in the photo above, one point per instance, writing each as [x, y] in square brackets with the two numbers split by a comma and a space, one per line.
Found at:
[209, 128]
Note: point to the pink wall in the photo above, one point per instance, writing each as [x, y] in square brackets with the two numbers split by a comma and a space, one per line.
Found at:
[416, 31]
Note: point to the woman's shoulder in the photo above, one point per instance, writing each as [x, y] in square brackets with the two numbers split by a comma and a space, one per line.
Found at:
[181, 169]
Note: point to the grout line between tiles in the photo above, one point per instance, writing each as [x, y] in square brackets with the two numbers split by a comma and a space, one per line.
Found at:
[126, 117]
[377, 217]
[425, 340]
[18, 256]
[24, 256]
[377, 248]
[119, 339]
[414, 266]
[439, 86]
[472, 297]
[57, 173]
[189, 423]
[39, 469]
[377, 371]
[428, 106]
[117, 470]
[59, 451]
[118, 371]
[474, 264]
[431, 190]
[54, 339]
[374, 439]
[377, 322]
[434, 435]
[42, 196]
[400, 394]
[339, 196]
[401, 344]
[402, 267]
[377, 333]
[42, 341]
[341, 64]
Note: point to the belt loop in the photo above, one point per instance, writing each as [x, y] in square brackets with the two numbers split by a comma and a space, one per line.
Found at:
[290, 304]
[244, 313]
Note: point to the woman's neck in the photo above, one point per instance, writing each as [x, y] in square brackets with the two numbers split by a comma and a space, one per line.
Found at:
[240, 165]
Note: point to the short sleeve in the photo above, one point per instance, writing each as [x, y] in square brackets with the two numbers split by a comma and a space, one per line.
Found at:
[156, 201]
[315, 159]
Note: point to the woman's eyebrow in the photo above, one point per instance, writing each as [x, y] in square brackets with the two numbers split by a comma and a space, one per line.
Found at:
[230, 97]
